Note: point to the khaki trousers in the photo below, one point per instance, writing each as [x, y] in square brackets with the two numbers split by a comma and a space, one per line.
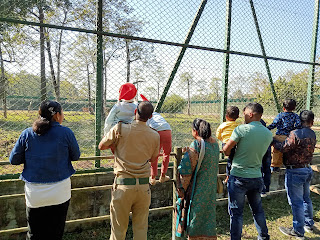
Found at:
[277, 156]
[126, 198]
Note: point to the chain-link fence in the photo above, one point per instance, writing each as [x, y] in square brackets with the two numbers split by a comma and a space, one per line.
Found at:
[190, 58]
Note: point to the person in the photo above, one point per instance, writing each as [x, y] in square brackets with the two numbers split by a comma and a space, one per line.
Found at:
[196, 188]
[137, 146]
[252, 140]
[265, 169]
[297, 150]
[46, 149]
[158, 123]
[123, 110]
[224, 132]
[285, 122]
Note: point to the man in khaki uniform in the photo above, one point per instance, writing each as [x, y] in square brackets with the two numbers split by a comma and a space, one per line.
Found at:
[136, 147]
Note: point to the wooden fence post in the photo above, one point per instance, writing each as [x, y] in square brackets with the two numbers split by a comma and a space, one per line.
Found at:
[178, 157]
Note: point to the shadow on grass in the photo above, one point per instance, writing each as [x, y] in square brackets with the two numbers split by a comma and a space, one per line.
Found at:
[277, 210]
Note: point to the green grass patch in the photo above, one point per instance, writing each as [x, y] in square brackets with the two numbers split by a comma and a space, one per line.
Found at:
[83, 126]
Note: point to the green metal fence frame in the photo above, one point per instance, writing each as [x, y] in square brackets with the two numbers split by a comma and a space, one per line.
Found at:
[184, 47]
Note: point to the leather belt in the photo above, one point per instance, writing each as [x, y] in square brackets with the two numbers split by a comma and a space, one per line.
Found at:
[131, 181]
[297, 166]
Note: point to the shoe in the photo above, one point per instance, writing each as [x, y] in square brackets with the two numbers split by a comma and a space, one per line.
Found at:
[164, 179]
[308, 229]
[263, 194]
[290, 232]
[152, 181]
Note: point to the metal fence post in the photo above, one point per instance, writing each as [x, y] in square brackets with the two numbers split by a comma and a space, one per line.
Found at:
[225, 76]
[98, 107]
[182, 52]
[178, 152]
[265, 56]
[309, 104]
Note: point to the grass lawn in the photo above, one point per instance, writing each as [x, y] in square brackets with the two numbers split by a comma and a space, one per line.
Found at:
[278, 213]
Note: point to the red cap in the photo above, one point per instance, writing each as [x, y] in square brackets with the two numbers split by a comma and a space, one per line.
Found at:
[127, 91]
[144, 98]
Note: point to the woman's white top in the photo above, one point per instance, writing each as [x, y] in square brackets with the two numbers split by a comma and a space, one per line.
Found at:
[47, 194]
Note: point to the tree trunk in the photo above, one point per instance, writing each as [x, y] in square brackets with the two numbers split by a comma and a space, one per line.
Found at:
[53, 76]
[128, 59]
[43, 87]
[189, 105]
[59, 56]
[3, 85]
[89, 91]
[105, 82]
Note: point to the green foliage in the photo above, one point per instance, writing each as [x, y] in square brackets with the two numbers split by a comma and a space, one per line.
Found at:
[173, 104]
[291, 85]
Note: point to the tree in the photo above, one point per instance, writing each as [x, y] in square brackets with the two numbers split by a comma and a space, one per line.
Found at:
[151, 93]
[215, 89]
[173, 104]
[291, 85]
[70, 91]
[82, 67]
[187, 78]
[158, 75]
[115, 19]
[25, 84]
[10, 35]
[238, 94]
[60, 8]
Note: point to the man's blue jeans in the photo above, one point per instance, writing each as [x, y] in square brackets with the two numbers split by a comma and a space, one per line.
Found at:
[297, 183]
[238, 188]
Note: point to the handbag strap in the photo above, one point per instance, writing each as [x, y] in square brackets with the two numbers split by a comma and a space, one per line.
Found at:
[201, 155]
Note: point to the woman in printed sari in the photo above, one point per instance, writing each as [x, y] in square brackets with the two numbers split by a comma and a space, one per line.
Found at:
[197, 186]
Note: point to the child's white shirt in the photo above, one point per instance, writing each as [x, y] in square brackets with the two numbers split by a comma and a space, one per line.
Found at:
[158, 123]
[122, 111]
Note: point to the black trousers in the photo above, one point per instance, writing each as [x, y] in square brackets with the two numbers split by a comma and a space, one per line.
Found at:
[47, 223]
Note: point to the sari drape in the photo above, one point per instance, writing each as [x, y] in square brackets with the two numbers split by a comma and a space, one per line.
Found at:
[202, 212]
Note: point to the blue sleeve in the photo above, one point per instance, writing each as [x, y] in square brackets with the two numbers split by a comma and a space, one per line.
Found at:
[74, 151]
[297, 122]
[17, 155]
[275, 122]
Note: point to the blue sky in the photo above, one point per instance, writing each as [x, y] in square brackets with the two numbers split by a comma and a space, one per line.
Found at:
[286, 27]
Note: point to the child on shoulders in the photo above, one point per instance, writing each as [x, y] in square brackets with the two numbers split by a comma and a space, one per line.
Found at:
[285, 122]
[224, 132]
[123, 110]
[159, 124]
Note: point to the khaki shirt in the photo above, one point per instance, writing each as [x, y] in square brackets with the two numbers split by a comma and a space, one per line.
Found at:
[137, 145]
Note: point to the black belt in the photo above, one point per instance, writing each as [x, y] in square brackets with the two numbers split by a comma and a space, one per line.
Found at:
[131, 181]
[297, 166]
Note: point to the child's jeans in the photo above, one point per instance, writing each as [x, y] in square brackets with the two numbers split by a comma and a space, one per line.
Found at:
[277, 156]
[266, 171]
[165, 145]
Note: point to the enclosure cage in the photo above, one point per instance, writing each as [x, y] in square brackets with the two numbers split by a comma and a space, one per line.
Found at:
[191, 59]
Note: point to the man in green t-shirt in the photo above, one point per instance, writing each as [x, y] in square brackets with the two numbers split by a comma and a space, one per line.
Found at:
[252, 140]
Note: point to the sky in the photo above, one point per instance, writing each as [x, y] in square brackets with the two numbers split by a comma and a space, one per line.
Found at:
[286, 27]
